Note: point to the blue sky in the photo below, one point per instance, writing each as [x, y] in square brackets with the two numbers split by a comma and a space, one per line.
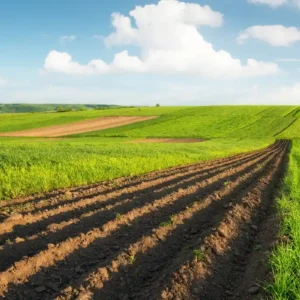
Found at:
[67, 51]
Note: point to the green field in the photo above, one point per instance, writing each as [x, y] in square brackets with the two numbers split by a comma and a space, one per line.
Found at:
[200, 122]
[286, 259]
[215, 122]
[29, 166]
[33, 165]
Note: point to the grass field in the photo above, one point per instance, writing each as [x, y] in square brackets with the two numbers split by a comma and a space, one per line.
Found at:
[29, 166]
[286, 259]
[198, 122]
[215, 122]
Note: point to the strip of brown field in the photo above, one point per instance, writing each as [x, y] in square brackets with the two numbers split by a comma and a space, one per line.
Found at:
[119, 240]
[78, 127]
[169, 140]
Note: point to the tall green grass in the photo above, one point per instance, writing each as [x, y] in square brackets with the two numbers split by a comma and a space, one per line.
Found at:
[29, 165]
[286, 259]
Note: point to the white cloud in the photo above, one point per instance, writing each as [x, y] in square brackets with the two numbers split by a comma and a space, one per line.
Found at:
[168, 38]
[275, 35]
[277, 3]
[62, 62]
[67, 38]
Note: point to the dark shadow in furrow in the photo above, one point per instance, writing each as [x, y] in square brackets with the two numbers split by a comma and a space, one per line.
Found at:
[147, 195]
[12, 253]
[212, 170]
[147, 267]
[105, 248]
[230, 267]
[144, 178]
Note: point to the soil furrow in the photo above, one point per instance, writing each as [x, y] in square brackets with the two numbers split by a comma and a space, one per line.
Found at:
[155, 250]
[57, 256]
[210, 278]
[30, 224]
[245, 271]
[58, 233]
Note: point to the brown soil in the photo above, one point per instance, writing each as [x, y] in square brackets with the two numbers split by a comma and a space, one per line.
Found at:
[78, 127]
[168, 140]
[200, 231]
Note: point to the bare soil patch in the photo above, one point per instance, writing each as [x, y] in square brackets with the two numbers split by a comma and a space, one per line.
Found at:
[201, 231]
[78, 127]
[169, 140]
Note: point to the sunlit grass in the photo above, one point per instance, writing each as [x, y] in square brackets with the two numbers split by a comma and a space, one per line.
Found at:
[38, 165]
[286, 259]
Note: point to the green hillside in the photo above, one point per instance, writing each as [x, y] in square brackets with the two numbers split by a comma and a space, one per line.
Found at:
[201, 122]
[216, 122]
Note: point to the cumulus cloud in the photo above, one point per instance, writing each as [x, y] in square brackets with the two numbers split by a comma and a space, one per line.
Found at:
[62, 62]
[277, 3]
[169, 41]
[275, 35]
[67, 38]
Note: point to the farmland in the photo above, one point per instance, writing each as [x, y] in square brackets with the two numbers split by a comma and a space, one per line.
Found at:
[122, 213]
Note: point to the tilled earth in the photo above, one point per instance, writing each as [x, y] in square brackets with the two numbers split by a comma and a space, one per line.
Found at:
[78, 127]
[201, 231]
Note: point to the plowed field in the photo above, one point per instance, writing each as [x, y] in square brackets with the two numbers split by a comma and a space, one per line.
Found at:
[78, 127]
[200, 231]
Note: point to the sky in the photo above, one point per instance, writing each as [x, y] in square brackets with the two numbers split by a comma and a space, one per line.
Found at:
[139, 52]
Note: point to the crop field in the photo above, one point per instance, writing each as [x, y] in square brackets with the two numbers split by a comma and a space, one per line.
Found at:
[29, 166]
[185, 203]
[78, 127]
